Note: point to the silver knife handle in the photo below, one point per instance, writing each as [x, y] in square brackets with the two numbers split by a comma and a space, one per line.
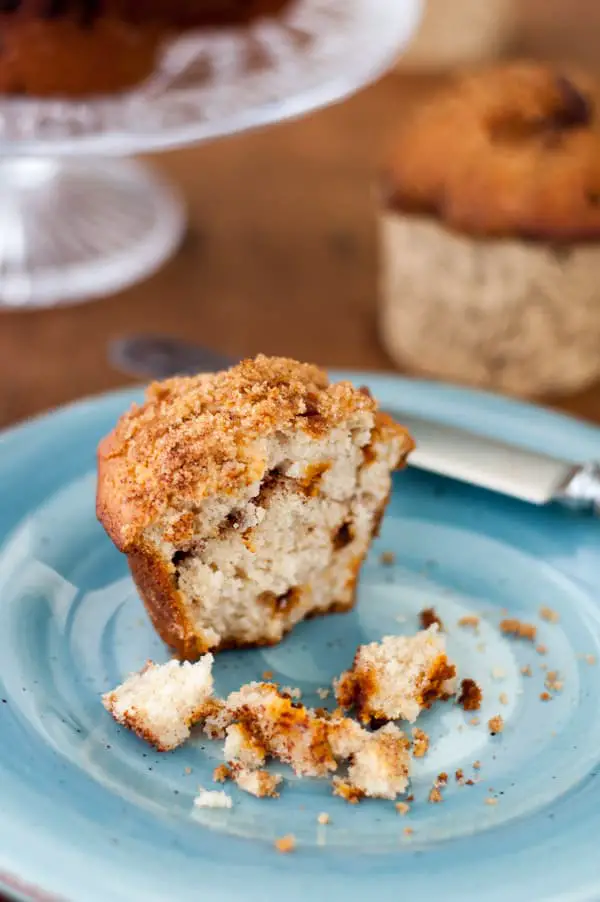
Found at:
[582, 489]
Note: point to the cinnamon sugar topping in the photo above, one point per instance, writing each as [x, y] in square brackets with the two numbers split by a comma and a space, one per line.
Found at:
[470, 695]
[199, 436]
[429, 616]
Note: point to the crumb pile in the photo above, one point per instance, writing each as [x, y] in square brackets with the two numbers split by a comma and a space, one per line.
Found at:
[395, 679]
[259, 721]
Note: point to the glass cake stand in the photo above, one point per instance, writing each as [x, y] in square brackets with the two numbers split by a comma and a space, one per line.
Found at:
[77, 223]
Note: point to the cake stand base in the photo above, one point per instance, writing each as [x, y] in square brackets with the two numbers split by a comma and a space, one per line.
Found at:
[76, 229]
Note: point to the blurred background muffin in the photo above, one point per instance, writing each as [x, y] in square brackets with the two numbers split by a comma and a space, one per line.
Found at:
[490, 223]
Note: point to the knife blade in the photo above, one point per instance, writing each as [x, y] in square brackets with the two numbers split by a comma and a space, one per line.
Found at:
[498, 466]
[448, 451]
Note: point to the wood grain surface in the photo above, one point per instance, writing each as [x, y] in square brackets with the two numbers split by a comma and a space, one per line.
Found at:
[280, 257]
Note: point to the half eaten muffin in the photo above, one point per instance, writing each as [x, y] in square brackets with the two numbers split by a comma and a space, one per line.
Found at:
[246, 501]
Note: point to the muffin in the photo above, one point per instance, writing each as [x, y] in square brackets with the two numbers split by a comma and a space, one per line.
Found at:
[490, 224]
[246, 501]
[86, 47]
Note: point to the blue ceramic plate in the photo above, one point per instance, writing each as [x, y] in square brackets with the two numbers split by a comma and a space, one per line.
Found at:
[88, 812]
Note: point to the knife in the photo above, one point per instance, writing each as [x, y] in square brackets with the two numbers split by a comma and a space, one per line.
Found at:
[445, 450]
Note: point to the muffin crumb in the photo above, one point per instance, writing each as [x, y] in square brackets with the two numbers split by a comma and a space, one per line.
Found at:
[549, 615]
[469, 621]
[397, 677]
[163, 702]
[526, 670]
[323, 818]
[387, 558]
[290, 692]
[259, 783]
[428, 617]
[516, 628]
[212, 798]
[496, 724]
[286, 844]
[420, 743]
[222, 773]
[402, 808]
[345, 790]
[435, 796]
[541, 649]
[470, 695]
[553, 682]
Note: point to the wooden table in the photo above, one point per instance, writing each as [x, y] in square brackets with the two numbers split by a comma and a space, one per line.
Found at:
[281, 257]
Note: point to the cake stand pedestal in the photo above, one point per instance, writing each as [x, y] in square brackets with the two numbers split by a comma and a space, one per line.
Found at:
[77, 223]
[76, 229]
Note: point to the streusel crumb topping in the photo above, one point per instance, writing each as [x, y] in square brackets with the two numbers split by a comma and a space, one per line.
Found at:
[198, 436]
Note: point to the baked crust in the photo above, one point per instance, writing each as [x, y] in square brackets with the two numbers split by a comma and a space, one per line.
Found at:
[511, 150]
[198, 436]
[156, 584]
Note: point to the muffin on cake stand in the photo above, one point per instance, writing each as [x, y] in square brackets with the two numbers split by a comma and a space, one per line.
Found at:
[77, 223]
